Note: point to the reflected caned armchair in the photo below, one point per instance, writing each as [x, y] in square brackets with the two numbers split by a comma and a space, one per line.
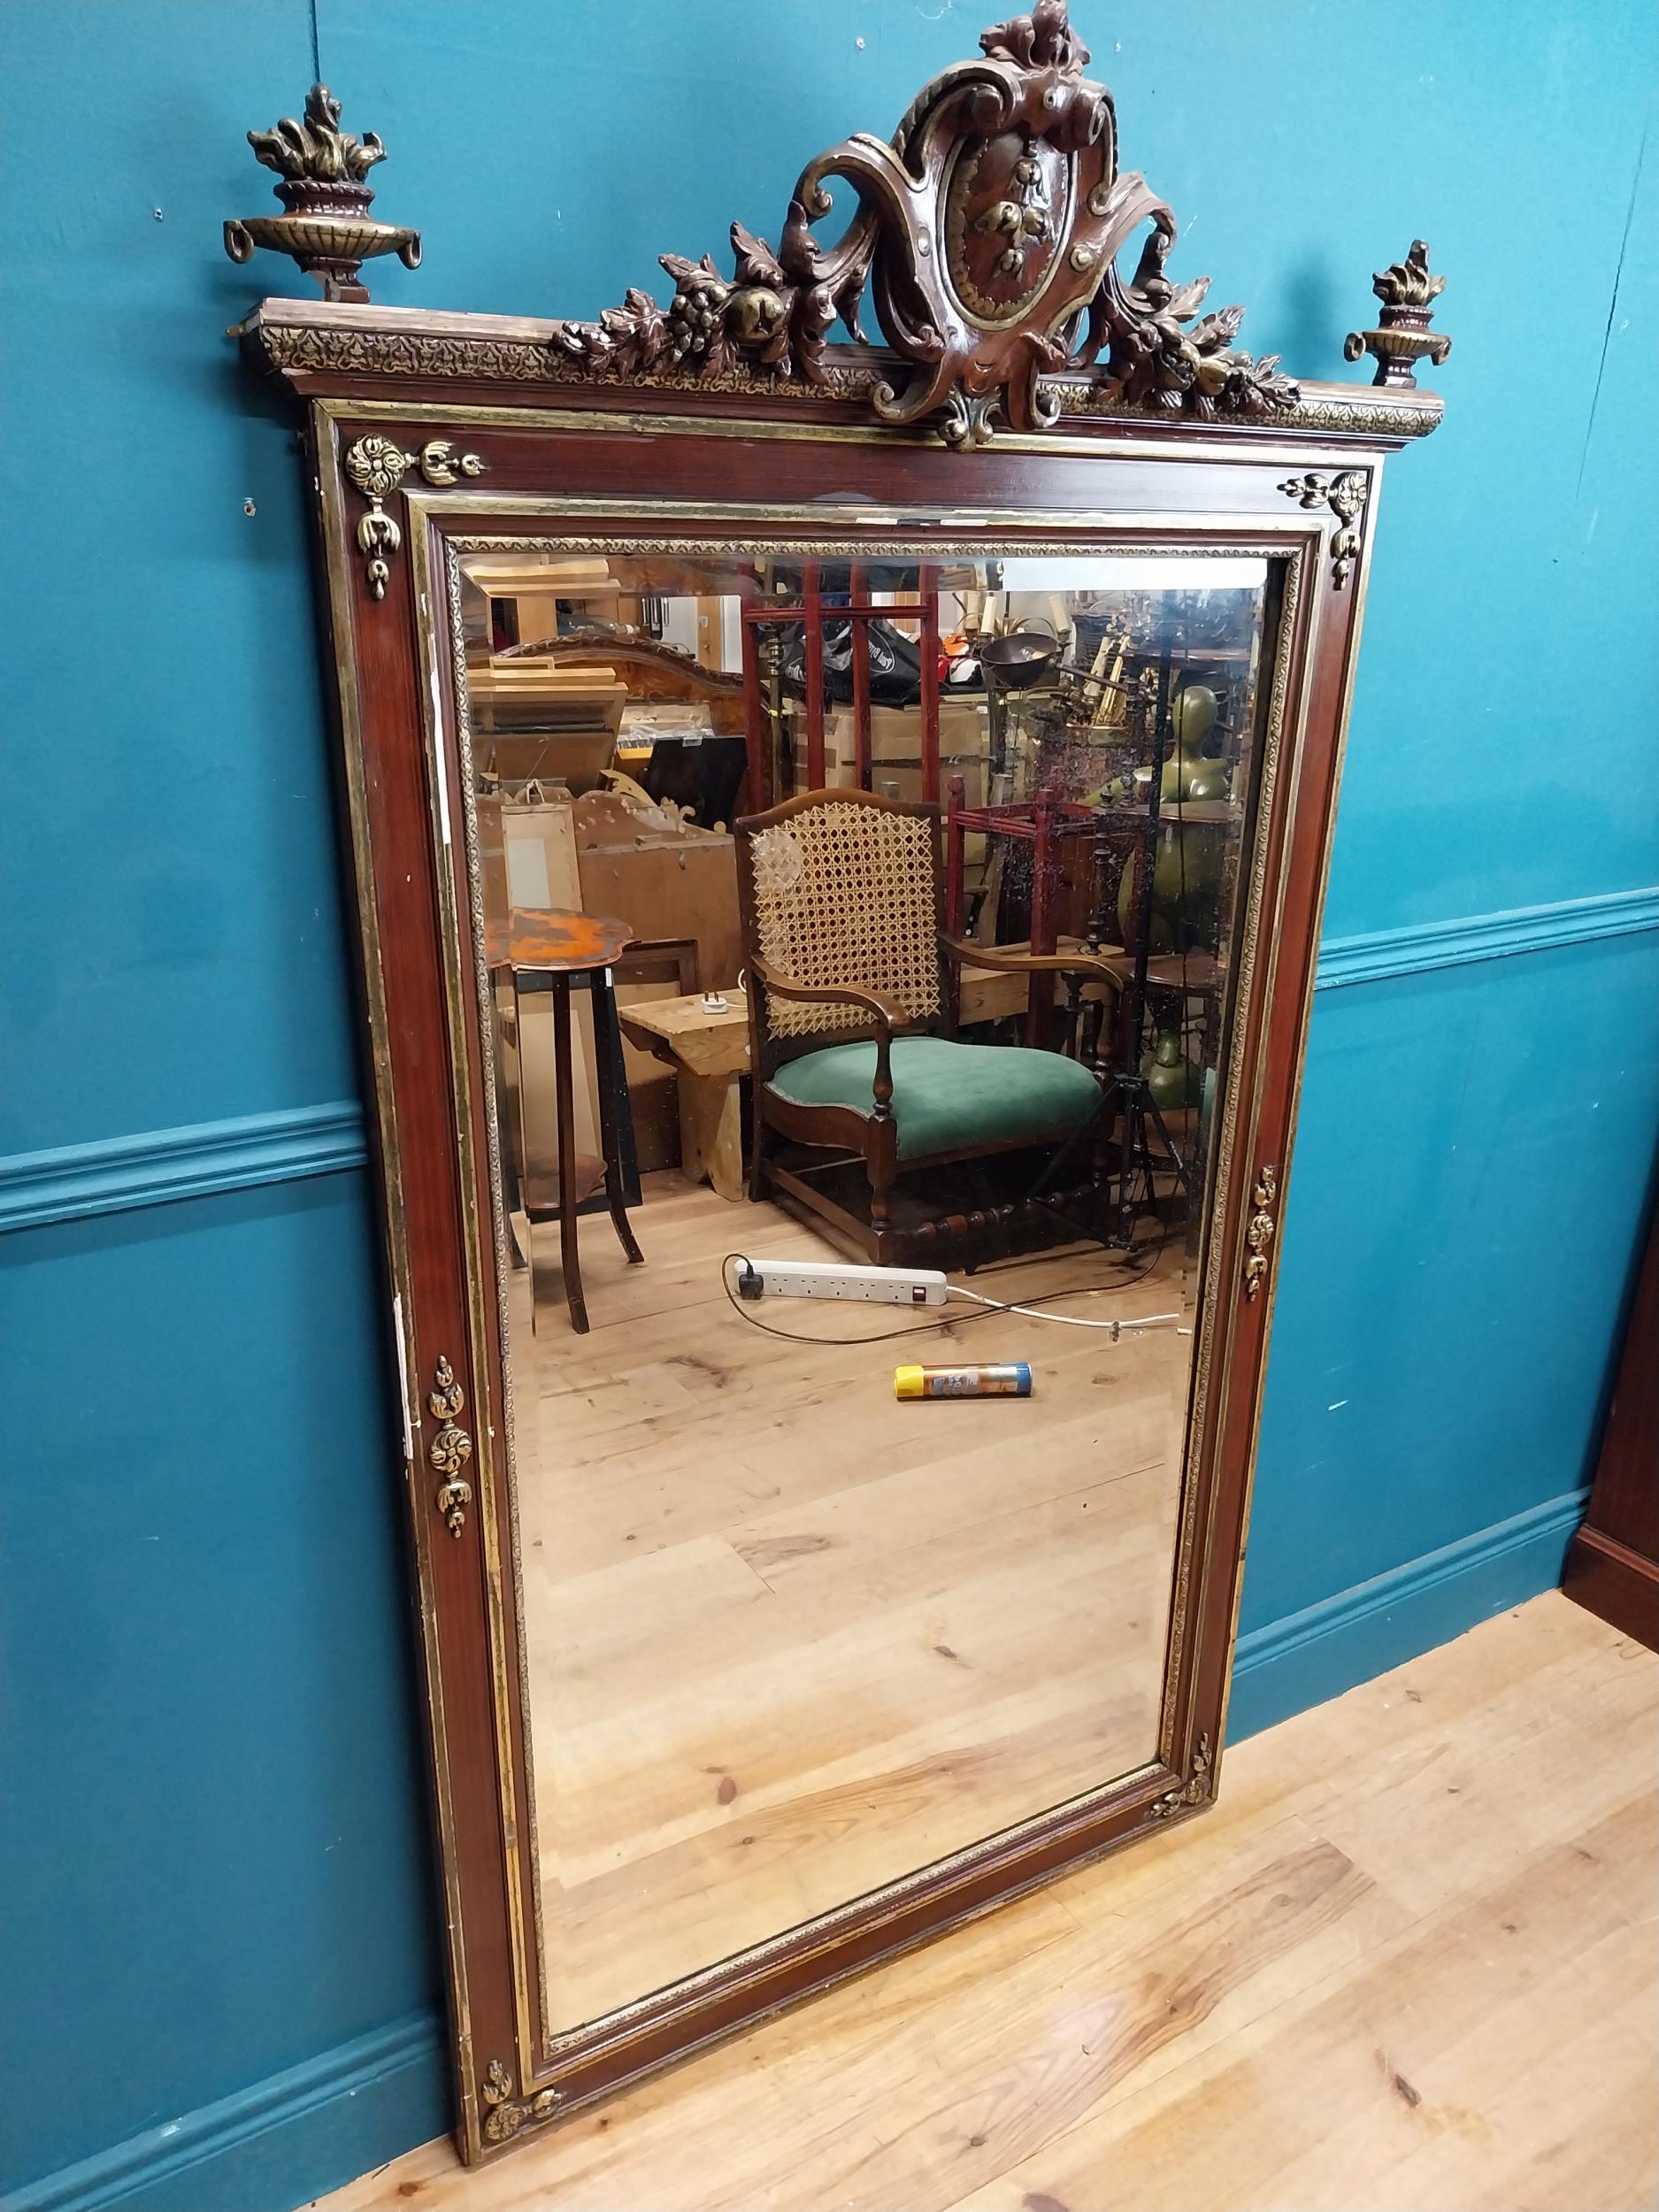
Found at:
[852, 998]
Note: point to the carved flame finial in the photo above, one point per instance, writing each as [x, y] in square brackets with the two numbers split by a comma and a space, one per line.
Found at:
[317, 148]
[1407, 283]
[1403, 336]
[325, 225]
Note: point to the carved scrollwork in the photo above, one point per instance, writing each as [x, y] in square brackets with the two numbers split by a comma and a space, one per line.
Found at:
[504, 2113]
[378, 467]
[1195, 1790]
[451, 1448]
[1345, 496]
[987, 232]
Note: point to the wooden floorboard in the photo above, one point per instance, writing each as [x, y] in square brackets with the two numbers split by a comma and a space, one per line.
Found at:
[1410, 1961]
[789, 1640]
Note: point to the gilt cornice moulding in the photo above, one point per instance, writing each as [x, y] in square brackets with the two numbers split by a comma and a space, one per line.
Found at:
[987, 233]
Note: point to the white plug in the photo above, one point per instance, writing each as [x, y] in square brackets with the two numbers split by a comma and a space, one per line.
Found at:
[825, 1279]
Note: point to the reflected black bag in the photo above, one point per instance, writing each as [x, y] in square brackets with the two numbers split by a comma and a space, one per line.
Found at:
[895, 664]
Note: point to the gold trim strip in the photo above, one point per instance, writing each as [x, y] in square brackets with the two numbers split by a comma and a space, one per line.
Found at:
[335, 536]
[292, 338]
[1307, 660]
[1275, 533]
[530, 2056]
[1292, 1117]
[461, 1064]
[1213, 1350]
[1292, 541]
[1263, 449]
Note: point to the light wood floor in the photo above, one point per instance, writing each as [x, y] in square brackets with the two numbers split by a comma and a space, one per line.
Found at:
[788, 1638]
[1410, 1959]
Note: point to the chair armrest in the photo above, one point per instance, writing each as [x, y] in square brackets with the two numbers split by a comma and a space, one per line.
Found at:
[887, 1013]
[996, 956]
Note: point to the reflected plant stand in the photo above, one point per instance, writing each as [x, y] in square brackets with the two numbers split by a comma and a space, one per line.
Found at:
[547, 950]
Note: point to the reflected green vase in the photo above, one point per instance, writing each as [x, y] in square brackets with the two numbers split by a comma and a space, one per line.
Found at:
[1172, 1080]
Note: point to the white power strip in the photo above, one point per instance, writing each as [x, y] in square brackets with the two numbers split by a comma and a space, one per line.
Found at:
[821, 1279]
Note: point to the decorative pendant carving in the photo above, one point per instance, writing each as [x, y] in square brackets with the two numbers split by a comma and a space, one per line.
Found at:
[327, 227]
[451, 1448]
[988, 231]
[1407, 291]
[1198, 1787]
[1261, 1231]
[447, 1398]
[378, 467]
[1345, 496]
[504, 2114]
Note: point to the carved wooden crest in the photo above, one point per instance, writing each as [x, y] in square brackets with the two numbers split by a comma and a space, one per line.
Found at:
[988, 231]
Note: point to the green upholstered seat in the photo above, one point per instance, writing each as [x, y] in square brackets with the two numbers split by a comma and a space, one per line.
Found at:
[951, 1097]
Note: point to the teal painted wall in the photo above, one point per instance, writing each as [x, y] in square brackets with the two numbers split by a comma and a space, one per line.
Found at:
[220, 1955]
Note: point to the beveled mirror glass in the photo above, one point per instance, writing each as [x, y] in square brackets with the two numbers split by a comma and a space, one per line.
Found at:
[789, 1640]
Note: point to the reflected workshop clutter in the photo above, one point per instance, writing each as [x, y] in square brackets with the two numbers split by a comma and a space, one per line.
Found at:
[959, 1003]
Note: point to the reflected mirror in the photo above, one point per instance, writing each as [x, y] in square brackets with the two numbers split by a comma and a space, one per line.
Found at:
[959, 1004]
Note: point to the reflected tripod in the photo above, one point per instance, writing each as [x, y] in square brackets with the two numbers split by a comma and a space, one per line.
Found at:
[1129, 1093]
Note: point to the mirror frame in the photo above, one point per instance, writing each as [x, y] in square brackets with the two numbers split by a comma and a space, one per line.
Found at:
[430, 434]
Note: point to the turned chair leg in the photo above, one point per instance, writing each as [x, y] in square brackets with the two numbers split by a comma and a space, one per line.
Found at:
[881, 1162]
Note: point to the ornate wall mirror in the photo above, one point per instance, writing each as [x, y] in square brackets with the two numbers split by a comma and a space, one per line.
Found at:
[819, 806]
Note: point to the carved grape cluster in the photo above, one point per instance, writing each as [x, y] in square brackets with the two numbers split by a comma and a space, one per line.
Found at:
[698, 311]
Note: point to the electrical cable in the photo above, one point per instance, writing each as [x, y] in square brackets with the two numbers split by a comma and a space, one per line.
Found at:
[1071, 1320]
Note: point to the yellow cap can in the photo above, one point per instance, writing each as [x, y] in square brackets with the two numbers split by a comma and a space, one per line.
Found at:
[1003, 1379]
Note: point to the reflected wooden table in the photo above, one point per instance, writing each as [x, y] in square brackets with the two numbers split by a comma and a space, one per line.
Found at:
[547, 949]
[708, 1050]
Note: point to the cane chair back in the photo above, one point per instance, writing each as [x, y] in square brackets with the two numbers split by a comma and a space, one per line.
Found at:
[844, 889]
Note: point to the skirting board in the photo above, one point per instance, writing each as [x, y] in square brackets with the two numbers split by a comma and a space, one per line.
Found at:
[1311, 1656]
[279, 2144]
